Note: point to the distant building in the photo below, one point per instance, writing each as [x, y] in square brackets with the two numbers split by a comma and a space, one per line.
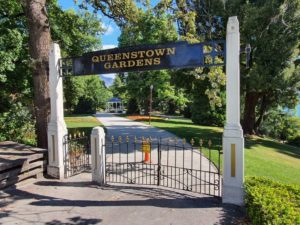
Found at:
[114, 105]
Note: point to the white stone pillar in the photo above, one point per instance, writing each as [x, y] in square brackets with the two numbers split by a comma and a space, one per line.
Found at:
[56, 127]
[98, 155]
[233, 141]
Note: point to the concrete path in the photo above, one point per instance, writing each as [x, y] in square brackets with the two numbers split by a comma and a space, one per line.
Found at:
[77, 201]
[183, 167]
[120, 126]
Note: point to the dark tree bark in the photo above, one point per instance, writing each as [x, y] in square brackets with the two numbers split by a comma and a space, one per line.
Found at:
[39, 44]
[261, 113]
[249, 118]
[147, 106]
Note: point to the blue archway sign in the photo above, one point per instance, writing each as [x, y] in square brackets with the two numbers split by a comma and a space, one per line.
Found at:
[146, 57]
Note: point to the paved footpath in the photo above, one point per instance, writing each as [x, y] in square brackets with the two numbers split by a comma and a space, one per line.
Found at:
[170, 155]
[77, 201]
[120, 126]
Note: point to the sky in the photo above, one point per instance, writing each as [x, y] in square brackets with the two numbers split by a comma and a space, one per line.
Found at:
[109, 39]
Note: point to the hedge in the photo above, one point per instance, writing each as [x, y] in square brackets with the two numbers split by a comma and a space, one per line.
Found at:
[269, 202]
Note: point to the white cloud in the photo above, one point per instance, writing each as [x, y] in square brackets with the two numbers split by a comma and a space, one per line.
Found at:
[108, 29]
[109, 46]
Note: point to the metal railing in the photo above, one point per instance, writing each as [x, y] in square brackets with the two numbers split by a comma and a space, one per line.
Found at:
[76, 154]
[169, 163]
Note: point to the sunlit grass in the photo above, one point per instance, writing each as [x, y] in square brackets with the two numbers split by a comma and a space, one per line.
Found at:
[81, 121]
[263, 157]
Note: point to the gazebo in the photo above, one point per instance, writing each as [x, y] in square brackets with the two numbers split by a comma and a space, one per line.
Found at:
[114, 105]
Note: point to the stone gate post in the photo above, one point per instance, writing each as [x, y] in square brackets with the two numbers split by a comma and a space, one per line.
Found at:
[98, 155]
[233, 141]
[56, 127]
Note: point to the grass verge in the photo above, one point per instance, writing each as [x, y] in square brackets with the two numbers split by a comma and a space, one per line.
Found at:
[263, 157]
[81, 123]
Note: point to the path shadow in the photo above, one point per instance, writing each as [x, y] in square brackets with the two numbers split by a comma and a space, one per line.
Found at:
[78, 220]
[136, 196]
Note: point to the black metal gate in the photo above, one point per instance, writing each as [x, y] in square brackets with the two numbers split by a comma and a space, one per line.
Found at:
[169, 163]
[76, 154]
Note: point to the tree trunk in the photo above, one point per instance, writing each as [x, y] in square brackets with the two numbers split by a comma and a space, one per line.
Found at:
[251, 100]
[262, 111]
[147, 107]
[39, 44]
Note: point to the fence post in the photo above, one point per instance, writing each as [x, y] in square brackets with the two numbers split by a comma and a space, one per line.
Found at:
[56, 128]
[233, 141]
[98, 155]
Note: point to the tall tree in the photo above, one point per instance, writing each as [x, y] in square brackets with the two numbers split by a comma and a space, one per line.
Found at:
[13, 39]
[149, 28]
[39, 44]
[200, 21]
[272, 28]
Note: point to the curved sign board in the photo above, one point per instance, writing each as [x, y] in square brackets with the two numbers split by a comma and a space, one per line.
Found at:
[147, 57]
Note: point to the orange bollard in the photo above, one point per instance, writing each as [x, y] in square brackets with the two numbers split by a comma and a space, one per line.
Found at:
[147, 157]
[146, 149]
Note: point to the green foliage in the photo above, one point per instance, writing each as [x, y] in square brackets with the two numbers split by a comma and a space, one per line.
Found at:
[17, 125]
[270, 202]
[15, 79]
[132, 107]
[91, 94]
[118, 88]
[85, 105]
[121, 11]
[295, 140]
[280, 125]
[186, 112]
[203, 111]
[151, 29]
[200, 21]
[204, 115]
[272, 29]
[76, 32]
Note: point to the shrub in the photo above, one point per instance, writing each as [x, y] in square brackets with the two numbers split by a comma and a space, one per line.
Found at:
[17, 125]
[280, 126]
[186, 112]
[269, 202]
[132, 107]
[294, 141]
[85, 105]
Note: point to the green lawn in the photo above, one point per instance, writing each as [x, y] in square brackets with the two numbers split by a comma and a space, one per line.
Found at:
[75, 121]
[81, 123]
[263, 157]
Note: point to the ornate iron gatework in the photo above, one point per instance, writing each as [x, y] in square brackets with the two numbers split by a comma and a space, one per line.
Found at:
[76, 154]
[169, 163]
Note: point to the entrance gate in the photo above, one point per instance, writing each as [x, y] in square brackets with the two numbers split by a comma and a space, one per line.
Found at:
[156, 57]
[167, 163]
[77, 153]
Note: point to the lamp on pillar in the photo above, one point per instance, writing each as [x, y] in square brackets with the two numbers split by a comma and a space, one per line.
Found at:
[150, 103]
[248, 52]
